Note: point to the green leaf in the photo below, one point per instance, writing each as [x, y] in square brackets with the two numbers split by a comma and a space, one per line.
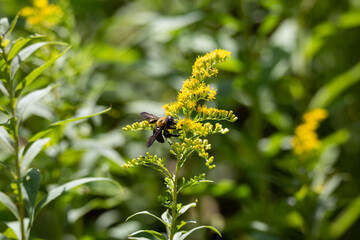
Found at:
[185, 208]
[166, 217]
[18, 44]
[59, 191]
[15, 227]
[35, 73]
[25, 53]
[13, 23]
[30, 188]
[147, 213]
[152, 232]
[345, 219]
[325, 95]
[4, 25]
[30, 99]
[61, 123]
[6, 139]
[9, 204]
[185, 235]
[32, 152]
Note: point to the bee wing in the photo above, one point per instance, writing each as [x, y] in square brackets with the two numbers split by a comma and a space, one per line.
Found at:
[151, 118]
[157, 135]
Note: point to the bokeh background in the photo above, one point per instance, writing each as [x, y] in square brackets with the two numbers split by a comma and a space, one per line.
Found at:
[287, 57]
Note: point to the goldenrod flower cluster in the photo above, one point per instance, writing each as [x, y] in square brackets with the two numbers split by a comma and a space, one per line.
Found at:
[306, 139]
[143, 160]
[42, 14]
[190, 112]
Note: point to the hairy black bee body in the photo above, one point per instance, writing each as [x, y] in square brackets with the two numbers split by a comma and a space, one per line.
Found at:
[161, 127]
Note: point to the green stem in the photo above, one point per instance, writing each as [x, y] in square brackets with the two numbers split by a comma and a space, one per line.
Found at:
[174, 203]
[16, 151]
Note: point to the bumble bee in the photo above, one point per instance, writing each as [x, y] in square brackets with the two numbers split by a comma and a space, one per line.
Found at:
[161, 127]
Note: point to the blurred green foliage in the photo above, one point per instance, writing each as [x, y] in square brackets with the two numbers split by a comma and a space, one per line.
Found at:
[287, 57]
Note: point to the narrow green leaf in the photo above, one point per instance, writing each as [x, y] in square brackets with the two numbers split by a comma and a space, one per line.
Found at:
[19, 44]
[25, 53]
[4, 25]
[3, 89]
[6, 139]
[30, 99]
[15, 226]
[30, 187]
[59, 191]
[345, 219]
[36, 72]
[32, 152]
[60, 123]
[183, 236]
[139, 238]
[13, 23]
[166, 217]
[152, 232]
[147, 213]
[326, 94]
[9, 204]
[185, 208]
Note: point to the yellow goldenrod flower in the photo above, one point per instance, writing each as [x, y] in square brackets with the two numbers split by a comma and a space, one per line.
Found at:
[191, 114]
[306, 139]
[42, 14]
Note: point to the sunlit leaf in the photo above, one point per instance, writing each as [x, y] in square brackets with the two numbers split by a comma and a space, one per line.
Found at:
[13, 23]
[59, 191]
[4, 25]
[185, 208]
[36, 72]
[25, 53]
[329, 92]
[18, 45]
[152, 232]
[32, 152]
[61, 123]
[30, 187]
[345, 219]
[147, 213]
[185, 235]
[6, 139]
[30, 99]
[9, 204]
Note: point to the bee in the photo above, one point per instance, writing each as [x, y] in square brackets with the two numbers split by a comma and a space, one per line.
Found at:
[161, 127]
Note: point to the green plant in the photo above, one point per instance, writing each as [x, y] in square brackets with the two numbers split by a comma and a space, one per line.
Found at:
[21, 93]
[193, 125]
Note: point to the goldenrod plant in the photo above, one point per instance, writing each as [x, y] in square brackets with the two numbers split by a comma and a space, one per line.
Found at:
[194, 122]
[21, 92]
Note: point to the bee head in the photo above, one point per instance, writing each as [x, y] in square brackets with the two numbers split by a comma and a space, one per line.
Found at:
[170, 120]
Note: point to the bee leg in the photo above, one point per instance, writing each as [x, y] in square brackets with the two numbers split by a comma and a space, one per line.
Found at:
[167, 134]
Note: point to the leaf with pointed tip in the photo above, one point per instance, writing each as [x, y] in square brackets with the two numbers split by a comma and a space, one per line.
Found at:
[60, 123]
[4, 25]
[6, 139]
[6, 200]
[36, 72]
[29, 99]
[146, 213]
[166, 217]
[13, 23]
[59, 191]
[326, 94]
[25, 53]
[152, 232]
[185, 235]
[30, 187]
[185, 208]
[19, 44]
[32, 152]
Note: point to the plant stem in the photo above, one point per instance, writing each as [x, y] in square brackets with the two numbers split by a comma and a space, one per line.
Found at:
[174, 203]
[16, 152]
